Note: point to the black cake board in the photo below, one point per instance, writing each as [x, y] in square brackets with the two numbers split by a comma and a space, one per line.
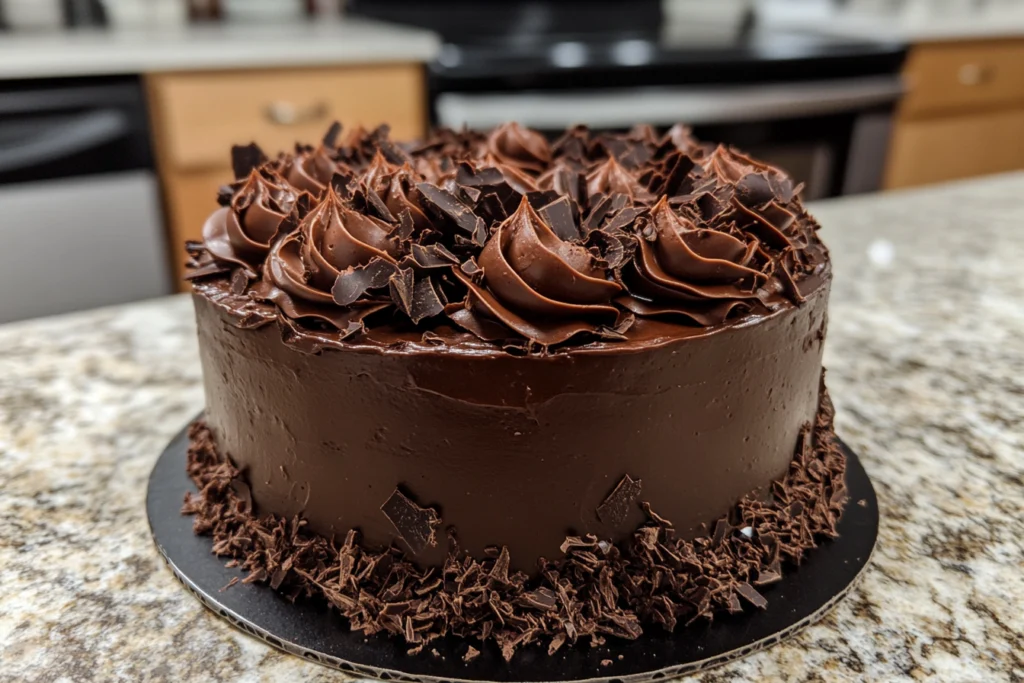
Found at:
[312, 631]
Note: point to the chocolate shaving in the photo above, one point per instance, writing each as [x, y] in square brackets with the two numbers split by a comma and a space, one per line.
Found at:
[403, 288]
[751, 595]
[246, 158]
[352, 284]
[559, 215]
[447, 205]
[416, 526]
[615, 508]
[433, 256]
[330, 138]
[426, 302]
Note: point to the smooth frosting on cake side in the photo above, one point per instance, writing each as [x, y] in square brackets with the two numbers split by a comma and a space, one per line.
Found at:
[513, 451]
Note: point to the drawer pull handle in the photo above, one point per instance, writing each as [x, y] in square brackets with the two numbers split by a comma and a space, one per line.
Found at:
[287, 114]
[974, 74]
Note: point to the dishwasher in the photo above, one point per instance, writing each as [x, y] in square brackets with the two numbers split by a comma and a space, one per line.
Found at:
[79, 201]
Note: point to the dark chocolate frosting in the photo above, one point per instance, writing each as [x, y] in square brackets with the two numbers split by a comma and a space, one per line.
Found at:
[507, 239]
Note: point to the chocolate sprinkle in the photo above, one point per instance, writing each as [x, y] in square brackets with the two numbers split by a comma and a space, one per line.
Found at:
[615, 508]
[416, 525]
[595, 590]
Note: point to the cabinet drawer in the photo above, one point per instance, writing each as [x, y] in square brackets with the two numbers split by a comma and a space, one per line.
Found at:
[199, 116]
[963, 76]
[949, 148]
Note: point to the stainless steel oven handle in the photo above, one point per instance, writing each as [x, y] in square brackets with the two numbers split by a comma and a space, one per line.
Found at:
[665, 106]
[55, 141]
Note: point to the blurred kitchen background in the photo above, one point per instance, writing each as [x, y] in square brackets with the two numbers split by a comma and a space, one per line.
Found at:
[116, 116]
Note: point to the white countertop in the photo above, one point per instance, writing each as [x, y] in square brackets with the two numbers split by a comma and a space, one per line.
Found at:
[227, 46]
[914, 27]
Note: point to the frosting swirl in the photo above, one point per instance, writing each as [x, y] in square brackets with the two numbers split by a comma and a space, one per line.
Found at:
[508, 238]
[304, 265]
[241, 232]
[518, 146]
[684, 270]
[539, 285]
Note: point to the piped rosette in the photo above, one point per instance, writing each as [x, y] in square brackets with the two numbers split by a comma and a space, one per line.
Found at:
[515, 145]
[682, 270]
[240, 234]
[521, 242]
[542, 287]
[304, 266]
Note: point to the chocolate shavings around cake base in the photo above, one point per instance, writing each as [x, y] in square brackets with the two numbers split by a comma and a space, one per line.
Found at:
[595, 590]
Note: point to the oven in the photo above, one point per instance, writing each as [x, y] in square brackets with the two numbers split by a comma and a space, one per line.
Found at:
[79, 197]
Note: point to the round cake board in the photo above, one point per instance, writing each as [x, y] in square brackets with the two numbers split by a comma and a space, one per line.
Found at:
[316, 633]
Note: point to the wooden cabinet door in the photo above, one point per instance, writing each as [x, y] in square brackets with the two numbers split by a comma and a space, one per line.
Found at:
[950, 78]
[196, 118]
[203, 114]
[934, 150]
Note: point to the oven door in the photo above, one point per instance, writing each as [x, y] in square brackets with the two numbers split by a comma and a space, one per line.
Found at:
[820, 132]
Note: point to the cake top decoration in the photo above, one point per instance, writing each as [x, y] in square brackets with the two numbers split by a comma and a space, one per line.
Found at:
[505, 237]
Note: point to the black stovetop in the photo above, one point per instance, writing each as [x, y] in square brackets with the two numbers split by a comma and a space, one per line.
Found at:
[606, 43]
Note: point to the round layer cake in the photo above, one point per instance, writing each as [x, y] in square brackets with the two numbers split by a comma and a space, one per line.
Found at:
[528, 357]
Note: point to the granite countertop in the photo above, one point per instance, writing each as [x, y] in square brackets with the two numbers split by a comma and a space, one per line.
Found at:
[91, 52]
[926, 365]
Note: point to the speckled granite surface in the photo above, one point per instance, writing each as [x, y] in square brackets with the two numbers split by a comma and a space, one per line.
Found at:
[926, 358]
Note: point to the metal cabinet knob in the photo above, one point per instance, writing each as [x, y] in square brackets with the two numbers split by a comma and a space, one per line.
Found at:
[283, 113]
[974, 74]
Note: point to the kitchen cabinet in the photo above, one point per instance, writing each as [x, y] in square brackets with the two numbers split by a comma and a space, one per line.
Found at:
[963, 114]
[197, 117]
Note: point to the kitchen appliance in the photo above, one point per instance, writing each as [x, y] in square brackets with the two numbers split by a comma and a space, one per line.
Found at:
[33, 15]
[819, 106]
[79, 199]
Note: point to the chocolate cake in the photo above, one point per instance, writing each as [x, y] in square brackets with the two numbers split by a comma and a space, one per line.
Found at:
[500, 388]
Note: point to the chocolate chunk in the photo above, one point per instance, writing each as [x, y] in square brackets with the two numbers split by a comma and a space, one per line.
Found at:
[353, 283]
[433, 256]
[391, 152]
[467, 175]
[330, 138]
[615, 508]
[655, 517]
[374, 202]
[406, 225]
[767, 577]
[403, 288]
[623, 219]
[754, 190]
[447, 205]
[426, 302]
[416, 526]
[541, 599]
[679, 167]
[499, 572]
[559, 215]
[245, 158]
[491, 208]
[751, 595]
